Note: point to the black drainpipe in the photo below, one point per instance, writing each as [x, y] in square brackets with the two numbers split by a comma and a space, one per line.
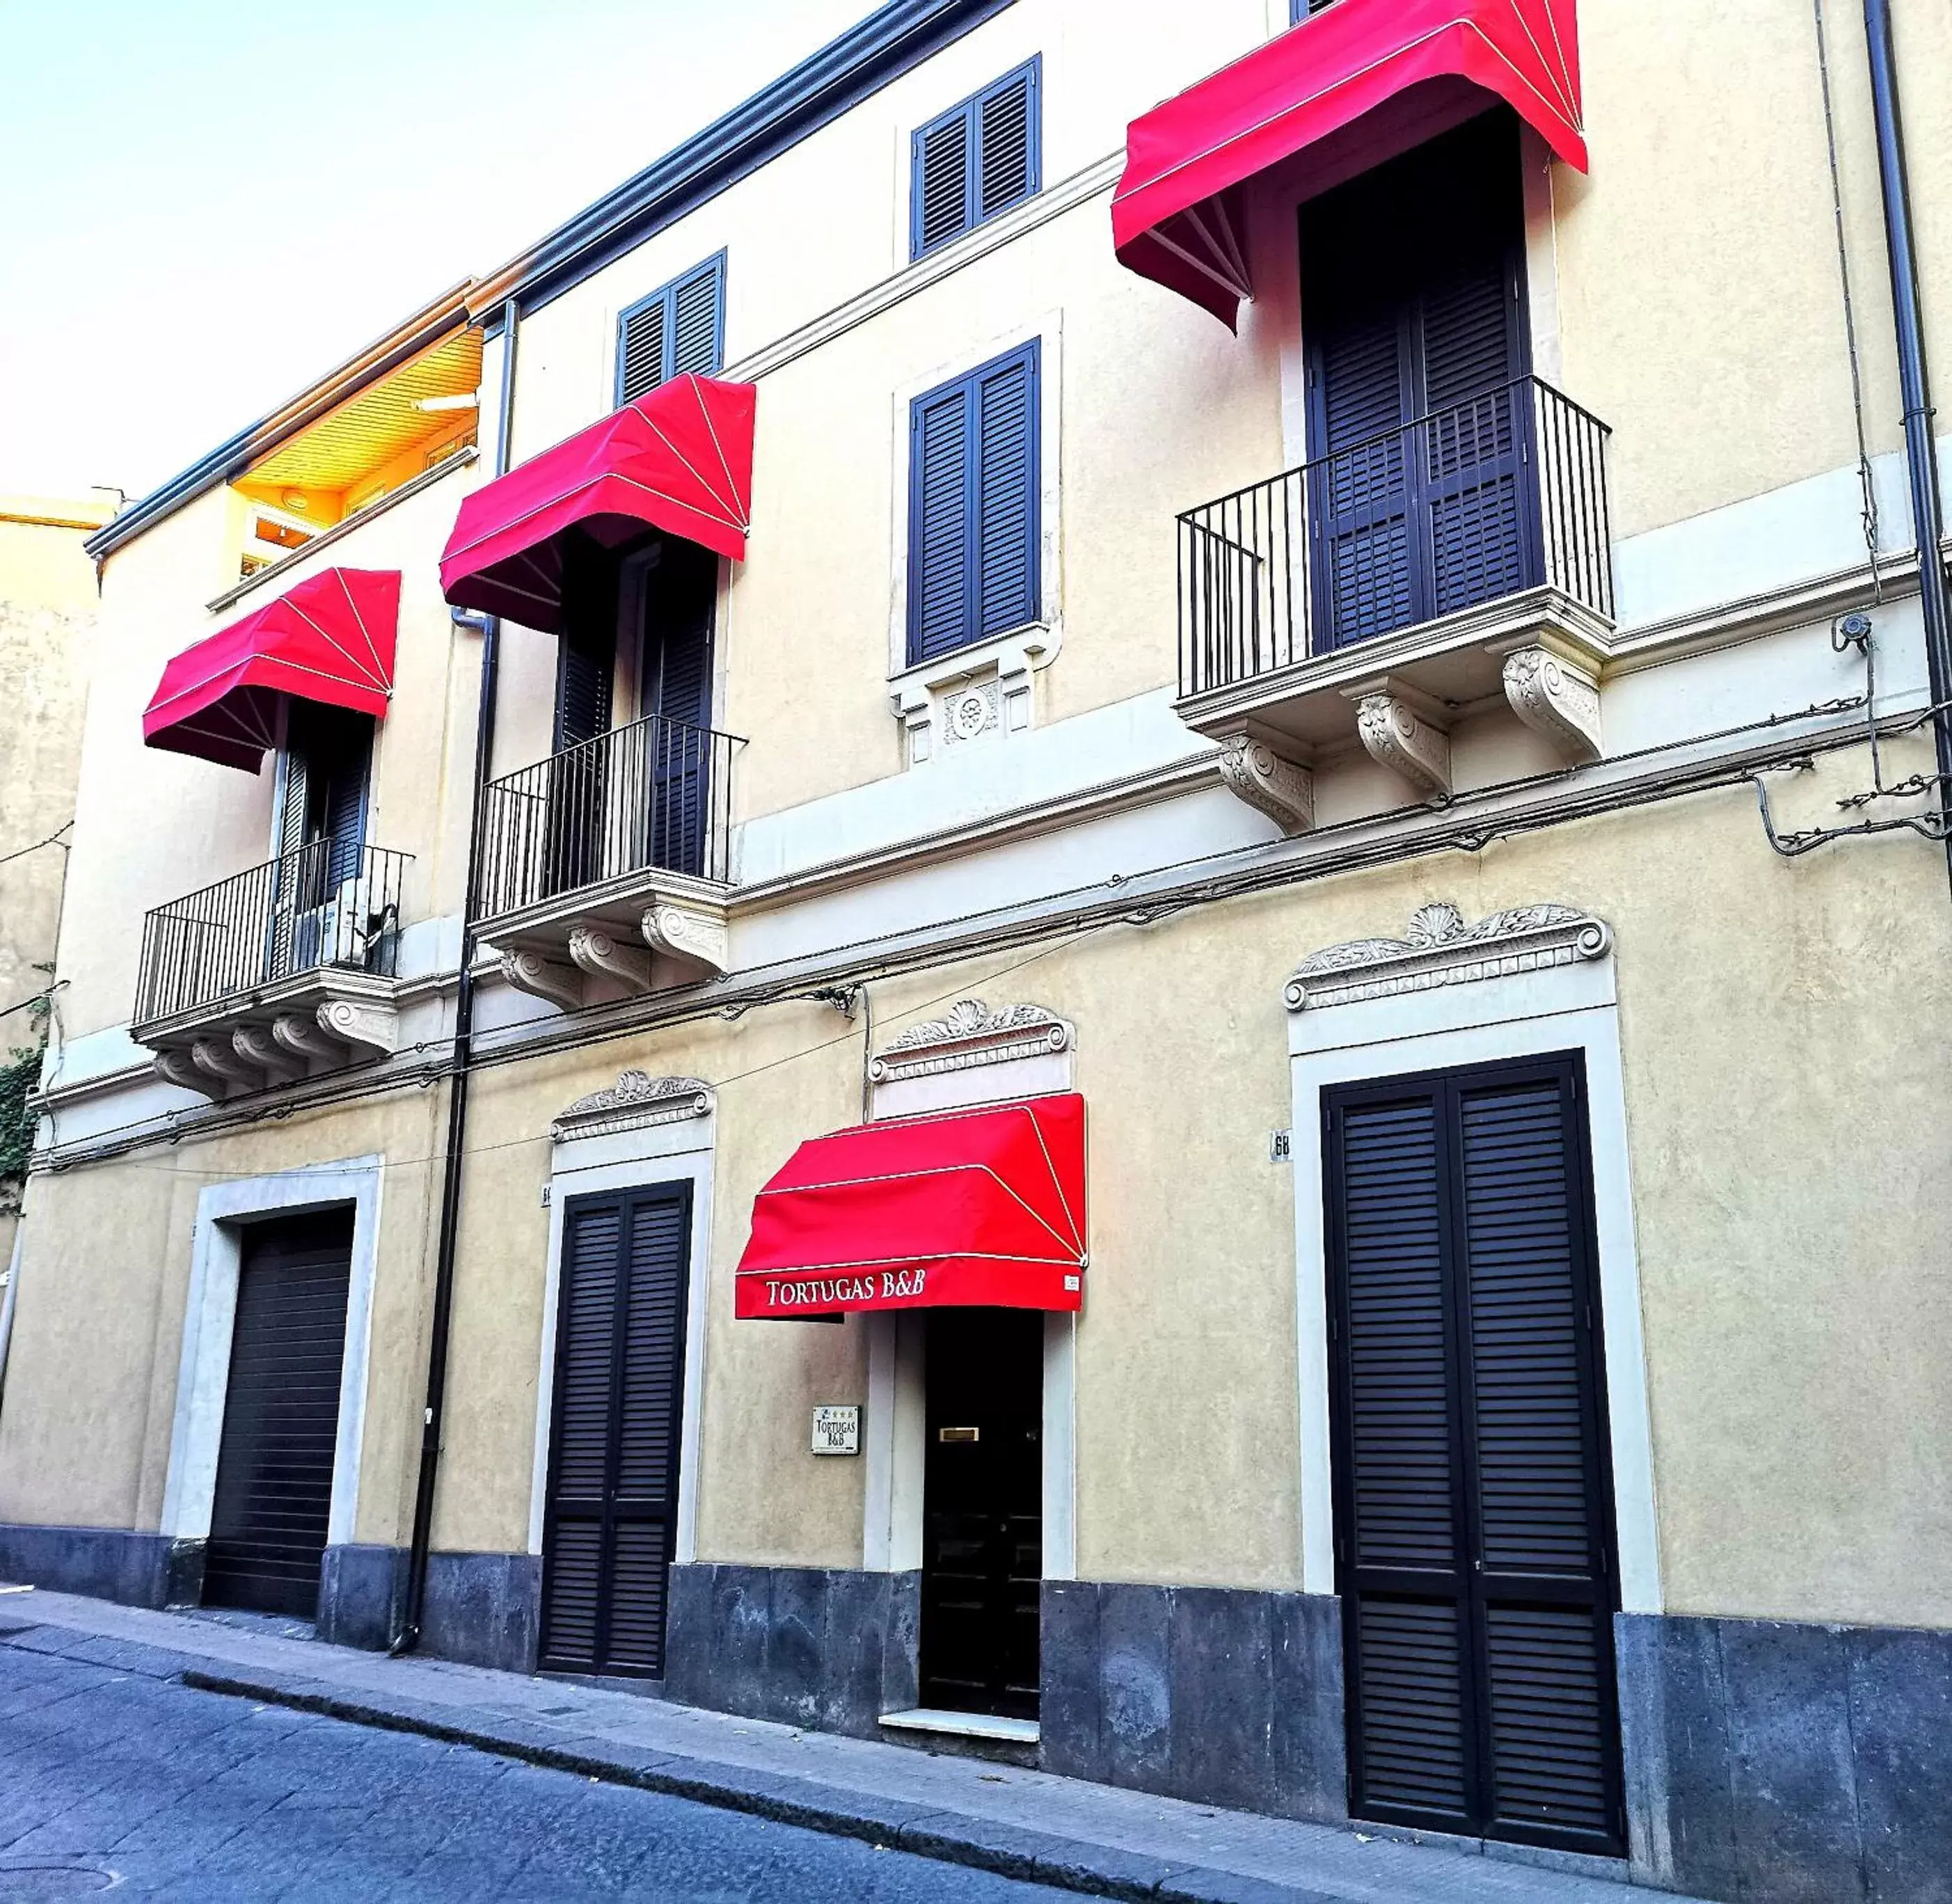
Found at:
[409, 1634]
[1914, 386]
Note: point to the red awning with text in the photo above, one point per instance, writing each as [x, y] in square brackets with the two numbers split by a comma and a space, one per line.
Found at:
[331, 638]
[679, 459]
[983, 1207]
[1349, 86]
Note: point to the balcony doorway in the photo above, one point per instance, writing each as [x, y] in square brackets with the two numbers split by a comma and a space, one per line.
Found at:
[1413, 319]
[621, 798]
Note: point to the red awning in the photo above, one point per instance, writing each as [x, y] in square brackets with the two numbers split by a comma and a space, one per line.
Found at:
[1404, 68]
[330, 638]
[679, 459]
[972, 1207]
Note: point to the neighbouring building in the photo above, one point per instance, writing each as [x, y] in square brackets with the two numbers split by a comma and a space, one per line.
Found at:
[47, 611]
[1190, 1015]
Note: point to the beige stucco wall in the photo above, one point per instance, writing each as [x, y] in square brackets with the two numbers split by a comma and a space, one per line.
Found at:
[153, 825]
[87, 1412]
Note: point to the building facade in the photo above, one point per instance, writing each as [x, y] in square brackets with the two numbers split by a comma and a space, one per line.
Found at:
[47, 610]
[1186, 1019]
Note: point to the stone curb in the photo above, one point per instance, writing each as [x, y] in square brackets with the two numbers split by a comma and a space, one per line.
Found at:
[949, 1837]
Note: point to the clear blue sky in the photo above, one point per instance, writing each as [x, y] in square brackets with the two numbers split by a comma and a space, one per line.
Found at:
[205, 206]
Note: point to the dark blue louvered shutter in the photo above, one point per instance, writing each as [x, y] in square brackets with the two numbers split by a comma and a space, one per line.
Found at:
[680, 326]
[1005, 406]
[681, 596]
[1474, 1530]
[1536, 1438]
[974, 507]
[1365, 512]
[1404, 1577]
[943, 191]
[611, 1520]
[1007, 125]
[941, 562]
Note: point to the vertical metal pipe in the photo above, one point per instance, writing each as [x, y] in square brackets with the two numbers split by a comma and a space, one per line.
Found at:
[1914, 383]
[441, 1327]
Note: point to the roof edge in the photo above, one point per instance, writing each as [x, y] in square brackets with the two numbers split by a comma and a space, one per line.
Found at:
[426, 326]
[871, 54]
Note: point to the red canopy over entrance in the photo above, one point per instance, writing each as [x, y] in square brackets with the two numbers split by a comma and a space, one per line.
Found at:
[970, 1206]
[330, 638]
[679, 459]
[1403, 68]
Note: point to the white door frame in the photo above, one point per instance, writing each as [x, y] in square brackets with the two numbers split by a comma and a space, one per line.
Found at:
[203, 1374]
[1518, 1014]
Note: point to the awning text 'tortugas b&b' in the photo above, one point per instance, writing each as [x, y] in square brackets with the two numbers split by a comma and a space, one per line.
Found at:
[979, 1208]
[330, 639]
[1349, 86]
[679, 459]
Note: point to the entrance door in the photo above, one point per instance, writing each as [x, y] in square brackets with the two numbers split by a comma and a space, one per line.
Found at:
[612, 1509]
[274, 1494]
[1412, 303]
[983, 1501]
[1473, 1511]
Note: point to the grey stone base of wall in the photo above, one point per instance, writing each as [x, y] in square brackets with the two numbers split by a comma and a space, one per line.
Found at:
[833, 1648]
[1228, 1697]
[483, 1609]
[362, 1596]
[107, 1563]
[1789, 1761]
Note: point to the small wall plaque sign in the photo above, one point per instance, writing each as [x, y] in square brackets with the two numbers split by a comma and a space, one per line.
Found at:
[837, 1428]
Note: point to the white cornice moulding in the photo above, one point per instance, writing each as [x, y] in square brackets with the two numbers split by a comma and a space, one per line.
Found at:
[971, 1035]
[1441, 949]
[636, 1100]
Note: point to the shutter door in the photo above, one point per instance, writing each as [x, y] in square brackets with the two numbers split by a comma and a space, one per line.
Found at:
[613, 1447]
[274, 1491]
[680, 600]
[1411, 302]
[1474, 1536]
[579, 820]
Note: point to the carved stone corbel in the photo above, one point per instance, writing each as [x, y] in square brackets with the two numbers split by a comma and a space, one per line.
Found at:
[219, 1057]
[180, 1068]
[1406, 730]
[255, 1045]
[595, 951]
[696, 939]
[1268, 781]
[1557, 697]
[362, 1023]
[543, 978]
[300, 1033]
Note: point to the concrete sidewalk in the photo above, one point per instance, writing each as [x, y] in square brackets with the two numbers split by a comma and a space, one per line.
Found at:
[1095, 1839]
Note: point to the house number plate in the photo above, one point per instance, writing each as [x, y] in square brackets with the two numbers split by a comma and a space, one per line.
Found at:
[837, 1428]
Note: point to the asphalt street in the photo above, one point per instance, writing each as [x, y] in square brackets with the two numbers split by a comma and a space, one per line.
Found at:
[114, 1783]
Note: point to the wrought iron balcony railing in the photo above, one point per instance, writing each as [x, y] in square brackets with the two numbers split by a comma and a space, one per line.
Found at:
[319, 905]
[655, 795]
[1500, 494]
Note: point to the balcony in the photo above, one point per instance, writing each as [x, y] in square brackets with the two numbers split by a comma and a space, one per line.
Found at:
[604, 869]
[1375, 596]
[284, 972]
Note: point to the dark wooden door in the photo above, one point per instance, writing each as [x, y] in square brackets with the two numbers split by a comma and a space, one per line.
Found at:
[1413, 314]
[612, 1515]
[983, 1496]
[679, 595]
[1474, 1523]
[274, 1494]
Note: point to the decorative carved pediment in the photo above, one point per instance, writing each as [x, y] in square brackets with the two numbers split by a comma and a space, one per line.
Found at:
[635, 1100]
[970, 1034]
[1439, 948]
